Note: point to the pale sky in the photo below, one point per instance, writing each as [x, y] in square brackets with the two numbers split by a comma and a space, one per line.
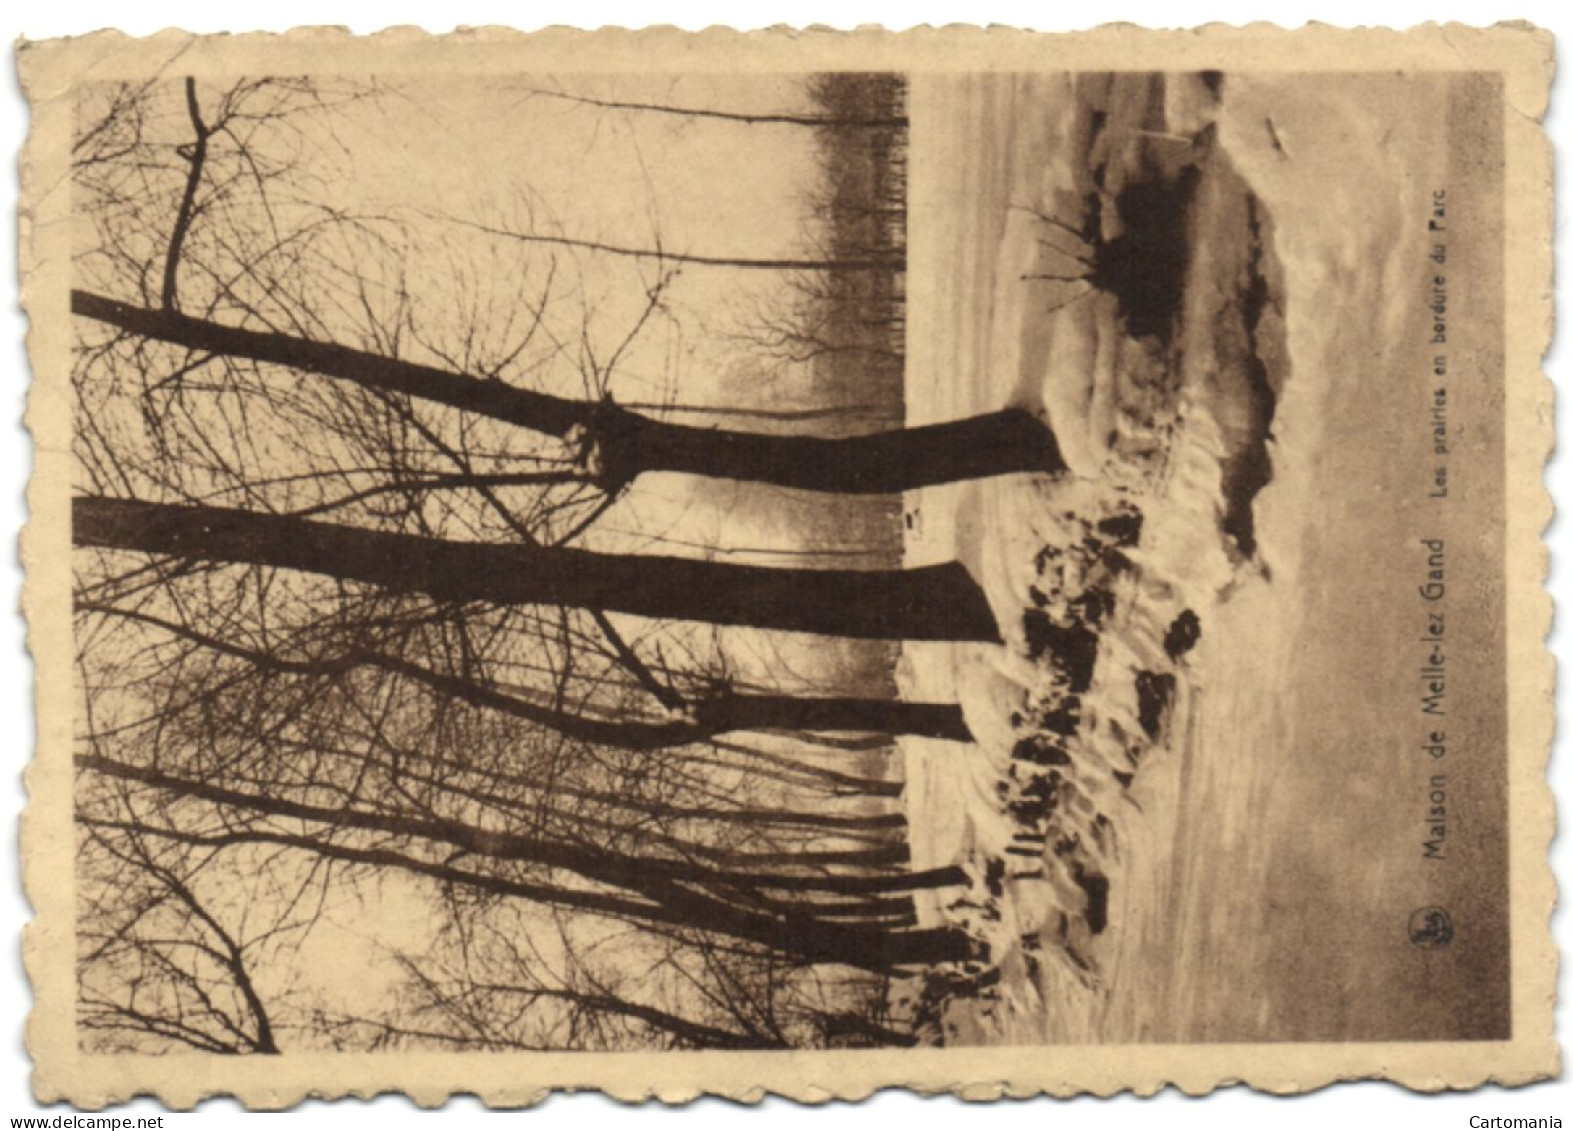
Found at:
[488, 152]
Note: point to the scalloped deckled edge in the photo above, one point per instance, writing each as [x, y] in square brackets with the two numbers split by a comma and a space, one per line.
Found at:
[47, 69]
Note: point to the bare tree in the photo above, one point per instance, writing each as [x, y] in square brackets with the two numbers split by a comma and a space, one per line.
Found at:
[874, 115]
[333, 615]
[158, 962]
[923, 603]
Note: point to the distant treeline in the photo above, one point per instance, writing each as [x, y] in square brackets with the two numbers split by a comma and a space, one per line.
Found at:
[848, 324]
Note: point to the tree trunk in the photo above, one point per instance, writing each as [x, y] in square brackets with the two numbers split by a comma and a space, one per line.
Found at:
[711, 718]
[881, 716]
[930, 603]
[629, 444]
[817, 121]
[851, 1025]
[692, 1034]
[804, 937]
[883, 263]
[878, 463]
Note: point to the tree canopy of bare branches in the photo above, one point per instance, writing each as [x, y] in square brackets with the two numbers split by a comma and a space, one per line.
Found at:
[350, 627]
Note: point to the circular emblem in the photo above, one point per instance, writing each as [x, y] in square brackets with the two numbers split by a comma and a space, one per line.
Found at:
[1431, 928]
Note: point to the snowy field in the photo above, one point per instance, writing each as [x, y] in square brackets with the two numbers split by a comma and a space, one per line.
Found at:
[1161, 826]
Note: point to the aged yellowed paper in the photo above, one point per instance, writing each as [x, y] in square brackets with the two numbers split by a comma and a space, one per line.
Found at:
[794, 563]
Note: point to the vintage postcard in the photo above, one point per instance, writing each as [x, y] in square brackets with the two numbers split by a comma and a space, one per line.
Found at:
[788, 563]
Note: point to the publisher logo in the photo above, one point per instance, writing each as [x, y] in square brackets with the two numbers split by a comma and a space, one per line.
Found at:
[1431, 928]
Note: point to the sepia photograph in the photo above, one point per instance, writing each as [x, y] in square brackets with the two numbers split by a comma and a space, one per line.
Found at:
[903, 549]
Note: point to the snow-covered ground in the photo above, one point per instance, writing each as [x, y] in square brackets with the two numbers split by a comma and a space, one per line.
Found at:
[1122, 820]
